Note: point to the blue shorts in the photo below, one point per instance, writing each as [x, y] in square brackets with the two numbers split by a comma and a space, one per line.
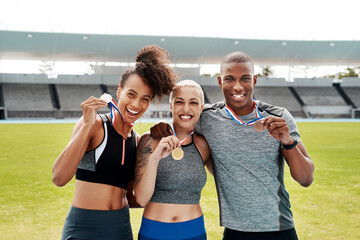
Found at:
[97, 224]
[189, 230]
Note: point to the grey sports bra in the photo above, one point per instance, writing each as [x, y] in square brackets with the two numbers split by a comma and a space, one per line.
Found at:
[180, 181]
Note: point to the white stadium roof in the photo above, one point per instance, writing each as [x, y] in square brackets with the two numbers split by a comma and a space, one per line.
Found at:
[190, 50]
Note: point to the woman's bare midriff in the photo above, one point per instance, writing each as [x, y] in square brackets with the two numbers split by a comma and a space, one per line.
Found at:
[96, 196]
[164, 212]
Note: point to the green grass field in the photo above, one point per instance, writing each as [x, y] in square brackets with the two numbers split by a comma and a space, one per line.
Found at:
[32, 207]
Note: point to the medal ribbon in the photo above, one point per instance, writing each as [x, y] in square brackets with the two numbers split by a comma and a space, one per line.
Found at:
[114, 107]
[182, 141]
[238, 120]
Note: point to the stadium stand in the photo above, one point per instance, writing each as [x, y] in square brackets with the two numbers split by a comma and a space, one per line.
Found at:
[27, 100]
[3, 112]
[279, 96]
[159, 109]
[32, 95]
[313, 96]
[351, 87]
[276, 91]
[109, 55]
[36, 96]
[72, 95]
[320, 98]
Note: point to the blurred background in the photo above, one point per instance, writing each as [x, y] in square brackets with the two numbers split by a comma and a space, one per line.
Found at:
[55, 54]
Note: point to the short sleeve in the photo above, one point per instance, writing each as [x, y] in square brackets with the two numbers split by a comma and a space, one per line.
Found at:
[294, 132]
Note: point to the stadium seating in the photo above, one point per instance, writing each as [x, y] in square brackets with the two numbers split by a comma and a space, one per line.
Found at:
[279, 96]
[321, 98]
[27, 100]
[351, 87]
[36, 96]
[72, 95]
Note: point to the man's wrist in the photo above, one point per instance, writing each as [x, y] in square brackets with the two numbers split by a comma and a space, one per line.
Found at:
[290, 146]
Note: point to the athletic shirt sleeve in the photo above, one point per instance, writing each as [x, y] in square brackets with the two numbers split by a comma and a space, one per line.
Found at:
[294, 132]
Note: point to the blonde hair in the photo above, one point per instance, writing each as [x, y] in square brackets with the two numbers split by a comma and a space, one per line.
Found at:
[187, 83]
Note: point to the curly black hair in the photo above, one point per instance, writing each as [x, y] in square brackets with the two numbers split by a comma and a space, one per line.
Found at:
[152, 65]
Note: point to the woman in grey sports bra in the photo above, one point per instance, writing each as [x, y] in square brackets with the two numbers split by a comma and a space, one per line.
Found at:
[168, 184]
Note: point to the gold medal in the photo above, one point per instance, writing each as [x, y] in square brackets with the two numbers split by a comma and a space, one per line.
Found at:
[177, 153]
[258, 126]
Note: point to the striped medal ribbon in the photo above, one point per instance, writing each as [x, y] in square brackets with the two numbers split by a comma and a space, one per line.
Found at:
[178, 153]
[238, 120]
[113, 106]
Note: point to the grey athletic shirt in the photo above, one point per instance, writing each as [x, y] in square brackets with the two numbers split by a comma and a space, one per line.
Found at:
[180, 181]
[248, 169]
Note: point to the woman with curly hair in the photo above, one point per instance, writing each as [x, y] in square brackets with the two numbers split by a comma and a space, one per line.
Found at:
[102, 151]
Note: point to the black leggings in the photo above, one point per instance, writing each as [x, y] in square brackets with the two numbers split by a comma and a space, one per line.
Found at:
[230, 234]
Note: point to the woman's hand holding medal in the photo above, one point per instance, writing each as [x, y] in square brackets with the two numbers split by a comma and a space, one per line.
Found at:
[166, 146]
[90, 107]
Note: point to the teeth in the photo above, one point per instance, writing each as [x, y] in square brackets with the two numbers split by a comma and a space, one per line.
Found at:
[133, 112]
[238, 96]
[185, 117]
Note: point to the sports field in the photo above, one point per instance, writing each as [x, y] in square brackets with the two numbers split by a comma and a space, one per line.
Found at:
[32, 207]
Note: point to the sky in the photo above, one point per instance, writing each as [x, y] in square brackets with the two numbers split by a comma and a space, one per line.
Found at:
[262, 19]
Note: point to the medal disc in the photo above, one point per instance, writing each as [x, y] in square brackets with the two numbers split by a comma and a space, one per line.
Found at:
[258, 126]
[106, 97]
[177, 154]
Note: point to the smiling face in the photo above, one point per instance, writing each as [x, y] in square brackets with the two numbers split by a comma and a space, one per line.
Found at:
[133, 98]
[237, 81]
[186, 106]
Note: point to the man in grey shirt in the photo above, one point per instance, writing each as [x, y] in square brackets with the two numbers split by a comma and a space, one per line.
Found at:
[248, 164]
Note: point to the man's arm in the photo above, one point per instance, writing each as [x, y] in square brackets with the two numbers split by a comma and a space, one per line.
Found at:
[300, 164]
[299, 161]
[161, 129]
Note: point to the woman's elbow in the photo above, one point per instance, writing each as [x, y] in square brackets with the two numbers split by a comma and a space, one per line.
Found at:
[58, 180]
[140, 199]
[142, 202]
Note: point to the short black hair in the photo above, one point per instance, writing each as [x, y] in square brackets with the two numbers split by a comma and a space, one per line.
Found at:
[237, 57]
